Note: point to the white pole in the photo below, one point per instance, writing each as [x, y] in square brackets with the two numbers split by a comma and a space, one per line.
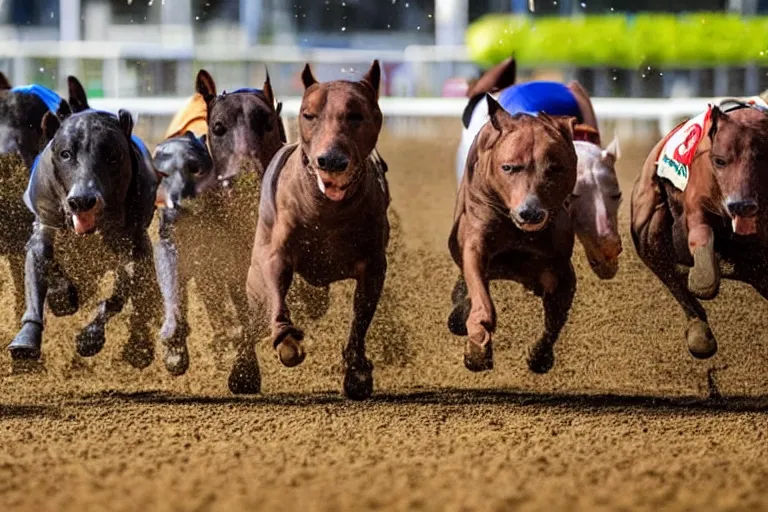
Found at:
[451, 19]
[69, 30]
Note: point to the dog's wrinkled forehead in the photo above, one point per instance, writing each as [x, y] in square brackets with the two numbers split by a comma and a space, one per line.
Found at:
[340, 94]
[89, 126]
[228, 102]
[744, 133]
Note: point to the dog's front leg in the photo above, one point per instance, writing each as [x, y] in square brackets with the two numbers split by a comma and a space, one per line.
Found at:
[139, 352]
[481, 322]
[286, 338]
[358, 377]
[91, 339]
[26, 344]
[704, 276]
[175, 329]
[559, 287]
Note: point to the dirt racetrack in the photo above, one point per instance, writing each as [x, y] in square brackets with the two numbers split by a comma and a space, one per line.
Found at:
[625, 420]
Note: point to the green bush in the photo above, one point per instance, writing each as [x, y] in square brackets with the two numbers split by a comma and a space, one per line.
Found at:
[662, 40]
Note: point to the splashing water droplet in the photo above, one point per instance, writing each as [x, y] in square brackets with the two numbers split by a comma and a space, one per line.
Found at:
[42, 70]
[343, 29]
[583, 5]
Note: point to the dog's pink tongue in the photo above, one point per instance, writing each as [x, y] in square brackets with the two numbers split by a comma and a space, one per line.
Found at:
[744, 225]
[84, 222]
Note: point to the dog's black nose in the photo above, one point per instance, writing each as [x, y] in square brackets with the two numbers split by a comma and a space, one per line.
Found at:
[333, 161]
[531, 215]
[81, 203]
[746, 208]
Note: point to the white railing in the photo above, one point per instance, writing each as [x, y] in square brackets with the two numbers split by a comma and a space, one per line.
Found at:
[665, 112]
[105, 50]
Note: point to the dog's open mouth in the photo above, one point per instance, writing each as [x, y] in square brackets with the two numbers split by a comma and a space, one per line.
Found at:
[744, 225]
[334, 188]
[85, 222]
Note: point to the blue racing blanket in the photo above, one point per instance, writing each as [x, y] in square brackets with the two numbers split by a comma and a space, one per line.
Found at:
[50, 98]
[531, 98]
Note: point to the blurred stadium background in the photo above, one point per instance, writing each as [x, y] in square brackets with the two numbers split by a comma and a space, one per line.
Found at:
[633, 55]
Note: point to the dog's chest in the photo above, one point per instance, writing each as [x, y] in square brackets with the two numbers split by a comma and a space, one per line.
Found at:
[323, 254]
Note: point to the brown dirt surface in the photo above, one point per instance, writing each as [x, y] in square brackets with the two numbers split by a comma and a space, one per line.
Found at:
[624, 421]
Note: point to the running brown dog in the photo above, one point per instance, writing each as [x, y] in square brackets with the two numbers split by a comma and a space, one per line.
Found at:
[717, 224]
[323, 215]
[511, 222]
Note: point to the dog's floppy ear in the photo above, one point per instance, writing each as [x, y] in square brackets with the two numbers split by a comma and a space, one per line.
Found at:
[50, 124]
[78, 101]
[307, 78]
[204, 140]
[205, 86]
[64, 110]
[373, 77]
[126, 122]
[4, 82]
[268, 90]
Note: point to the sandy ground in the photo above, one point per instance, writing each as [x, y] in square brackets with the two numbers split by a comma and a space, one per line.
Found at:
[623, 421]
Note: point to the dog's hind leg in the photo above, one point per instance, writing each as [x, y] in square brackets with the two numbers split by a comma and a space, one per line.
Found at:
[558, 291]
[358, 376]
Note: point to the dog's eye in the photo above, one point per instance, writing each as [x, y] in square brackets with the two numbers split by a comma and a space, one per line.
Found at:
[219, 129]
[719, 162]
[112, 158]
[355, 117]
[510, 168]
[65, 155]
[198, 171]
[308, 116]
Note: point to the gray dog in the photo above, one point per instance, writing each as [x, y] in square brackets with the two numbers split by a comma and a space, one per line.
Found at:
[94, 183]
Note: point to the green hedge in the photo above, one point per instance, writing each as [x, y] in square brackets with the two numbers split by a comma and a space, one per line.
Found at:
[700, 39]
